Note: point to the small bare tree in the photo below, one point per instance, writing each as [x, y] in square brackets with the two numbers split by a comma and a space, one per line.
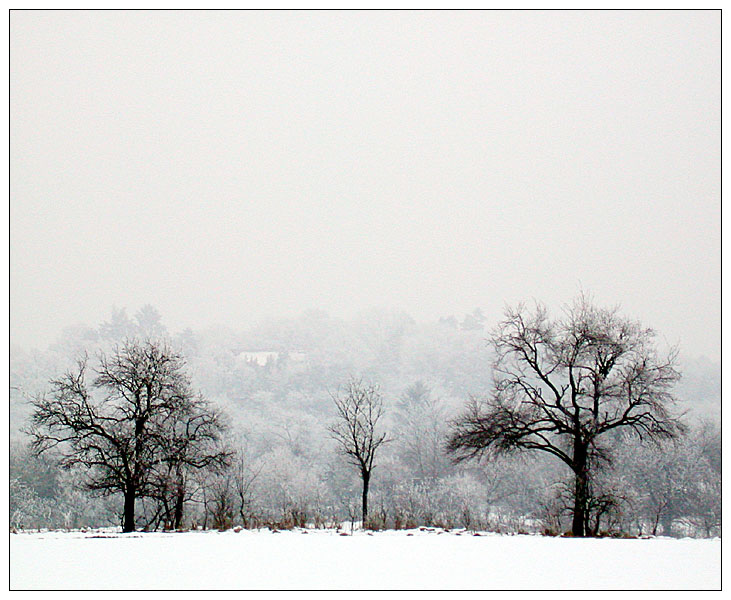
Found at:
[360, 408]
[190, 441]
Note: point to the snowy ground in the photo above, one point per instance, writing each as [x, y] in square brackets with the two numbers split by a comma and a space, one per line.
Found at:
[318, 559]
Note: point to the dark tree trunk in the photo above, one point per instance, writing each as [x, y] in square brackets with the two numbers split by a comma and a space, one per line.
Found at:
[179, 500]
[165, 517]
[581, 490]
[366, 480]
[128, 524]
[205, 510]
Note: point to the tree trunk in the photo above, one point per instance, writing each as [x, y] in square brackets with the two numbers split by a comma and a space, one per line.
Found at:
[179, 500]
[205, 510]
[166, 518]
[581, 489]
[128, 524]
[656, 523]
[366, 480]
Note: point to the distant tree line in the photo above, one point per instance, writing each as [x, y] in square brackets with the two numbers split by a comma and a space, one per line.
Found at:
[575, 431]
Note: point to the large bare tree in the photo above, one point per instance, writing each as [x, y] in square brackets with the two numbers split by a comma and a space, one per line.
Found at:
[137, 419]
[356, 430]
[562, 385]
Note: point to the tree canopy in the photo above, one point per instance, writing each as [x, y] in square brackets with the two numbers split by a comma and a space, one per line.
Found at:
[137, 420]
[561, 385]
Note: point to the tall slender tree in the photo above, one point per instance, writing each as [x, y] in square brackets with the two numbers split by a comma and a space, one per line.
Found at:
[357, 432]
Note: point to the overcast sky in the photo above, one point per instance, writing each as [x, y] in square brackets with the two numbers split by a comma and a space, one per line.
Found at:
[227, 167]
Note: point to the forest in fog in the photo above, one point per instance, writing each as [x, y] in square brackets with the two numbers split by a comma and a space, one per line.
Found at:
[273, 386]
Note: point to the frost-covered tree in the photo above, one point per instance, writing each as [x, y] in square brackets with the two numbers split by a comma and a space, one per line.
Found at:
[421, 432]
[675, 482]
[562, 385]
[289, 487]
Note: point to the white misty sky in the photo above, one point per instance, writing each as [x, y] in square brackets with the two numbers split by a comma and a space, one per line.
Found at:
[227, 167]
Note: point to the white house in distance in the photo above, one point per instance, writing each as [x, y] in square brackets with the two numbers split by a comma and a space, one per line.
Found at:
[262, 357]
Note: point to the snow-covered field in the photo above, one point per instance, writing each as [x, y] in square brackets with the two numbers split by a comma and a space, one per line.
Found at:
[324, 559]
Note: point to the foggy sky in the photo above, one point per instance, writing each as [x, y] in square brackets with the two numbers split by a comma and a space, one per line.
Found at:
[227, 167]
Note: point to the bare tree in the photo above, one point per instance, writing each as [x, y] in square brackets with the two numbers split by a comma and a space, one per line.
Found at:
[138, 418]
[359, 408]
[189, 440]
[228, 495]
[560, 386]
